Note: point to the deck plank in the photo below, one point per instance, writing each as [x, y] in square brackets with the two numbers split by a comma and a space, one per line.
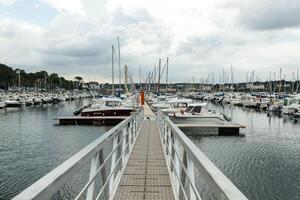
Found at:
[146, 175]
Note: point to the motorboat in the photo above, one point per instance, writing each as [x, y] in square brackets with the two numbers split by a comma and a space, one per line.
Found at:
[107, 107]
[177, 105]
[250, 101]
[291, 105]
[13, 103]
[195, 113]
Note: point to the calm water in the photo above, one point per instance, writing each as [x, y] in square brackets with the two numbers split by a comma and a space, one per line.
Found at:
[31, 146]
[265, 164]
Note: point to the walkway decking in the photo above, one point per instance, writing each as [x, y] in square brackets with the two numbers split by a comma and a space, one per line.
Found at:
[146, 175]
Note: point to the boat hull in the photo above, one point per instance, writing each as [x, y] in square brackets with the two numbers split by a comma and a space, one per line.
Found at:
[123, 112]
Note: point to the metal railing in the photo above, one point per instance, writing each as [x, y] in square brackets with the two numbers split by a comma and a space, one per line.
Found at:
[184, 158]
[122, 136]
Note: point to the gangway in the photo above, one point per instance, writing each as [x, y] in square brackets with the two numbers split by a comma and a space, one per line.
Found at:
[146, 156]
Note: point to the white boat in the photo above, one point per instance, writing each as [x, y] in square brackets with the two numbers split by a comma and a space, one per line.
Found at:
[13, 103]
[291, 105]
[107, 107]
[2, 103]
[195, 114]
[249, 101]
[177, 105]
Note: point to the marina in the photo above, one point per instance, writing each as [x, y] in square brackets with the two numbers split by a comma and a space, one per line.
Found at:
[261, 133]
[202, 103]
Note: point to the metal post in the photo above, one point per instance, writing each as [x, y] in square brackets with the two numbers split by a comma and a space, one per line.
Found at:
[191, 174]
[177, 166]
[94, 164]
[124, 132]
[113, 164]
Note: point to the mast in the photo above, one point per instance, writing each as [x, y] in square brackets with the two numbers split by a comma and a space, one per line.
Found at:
[279, 89]
[46, 82]
[158, 83]
[231, 80]
[19, 84]
[140, 76]
[119, 56]
[126, 78]
[167, 74]
[297, 81]
[112, 72]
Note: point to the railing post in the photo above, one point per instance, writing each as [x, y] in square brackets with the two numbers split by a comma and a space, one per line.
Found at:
[130, 135]
[165, 124]
[124, 131]
[113, 164]
[93, 169]
[191, 174]
[177, 166]
[135, 126]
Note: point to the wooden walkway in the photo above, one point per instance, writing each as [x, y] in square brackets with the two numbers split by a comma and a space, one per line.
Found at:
[146, 175]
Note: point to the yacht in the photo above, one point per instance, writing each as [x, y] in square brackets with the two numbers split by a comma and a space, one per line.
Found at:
[177, 105]
[195, 114]
[107, 107]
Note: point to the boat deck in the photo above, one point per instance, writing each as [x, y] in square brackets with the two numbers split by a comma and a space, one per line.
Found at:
[146, 175]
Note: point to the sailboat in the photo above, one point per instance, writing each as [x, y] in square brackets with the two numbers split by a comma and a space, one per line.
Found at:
[109, 106]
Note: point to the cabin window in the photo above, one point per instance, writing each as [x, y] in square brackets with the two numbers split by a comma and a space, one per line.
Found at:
[112, 103]
[197, 109]
[189, 109]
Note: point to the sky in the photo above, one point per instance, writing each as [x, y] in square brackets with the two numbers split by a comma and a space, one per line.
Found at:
[201, 37]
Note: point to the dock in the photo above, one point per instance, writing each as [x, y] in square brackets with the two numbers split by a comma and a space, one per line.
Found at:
[100, 121]
[144, 157]
[225, 129]
[146, 175]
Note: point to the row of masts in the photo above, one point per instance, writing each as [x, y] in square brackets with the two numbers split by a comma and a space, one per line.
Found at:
[152, 81]
[273, 84]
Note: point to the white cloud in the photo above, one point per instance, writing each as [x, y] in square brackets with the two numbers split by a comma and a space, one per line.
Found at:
[7, 2]
[199, 36]
[73, 6]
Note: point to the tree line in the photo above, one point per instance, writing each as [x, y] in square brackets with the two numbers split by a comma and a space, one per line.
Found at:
[9, 78]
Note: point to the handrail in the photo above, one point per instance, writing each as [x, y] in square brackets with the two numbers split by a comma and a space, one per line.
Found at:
[48, 185]
[173, 140]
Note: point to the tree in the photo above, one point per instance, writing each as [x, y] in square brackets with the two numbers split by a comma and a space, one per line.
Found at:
[78, 78]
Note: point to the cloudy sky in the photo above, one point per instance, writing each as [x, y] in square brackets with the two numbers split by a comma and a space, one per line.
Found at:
[200, 37]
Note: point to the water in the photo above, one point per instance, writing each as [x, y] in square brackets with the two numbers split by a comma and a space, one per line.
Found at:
[265, 164]
[31, 146]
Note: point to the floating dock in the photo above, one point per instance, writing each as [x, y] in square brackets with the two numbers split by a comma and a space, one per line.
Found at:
[227, 129]
[78, 120]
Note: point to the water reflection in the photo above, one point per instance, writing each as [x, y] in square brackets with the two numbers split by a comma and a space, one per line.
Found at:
[265, 163]
[31, 146]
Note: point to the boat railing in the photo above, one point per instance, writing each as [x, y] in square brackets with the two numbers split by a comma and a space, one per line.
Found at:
[193, 175]
[105, 168]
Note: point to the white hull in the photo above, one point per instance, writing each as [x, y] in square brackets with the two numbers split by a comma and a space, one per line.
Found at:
[2, 104]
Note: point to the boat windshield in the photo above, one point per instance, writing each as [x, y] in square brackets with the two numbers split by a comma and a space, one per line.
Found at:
[197, 109]
[194, 109]
[112, 103]
[189, 109]
[180, 105]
